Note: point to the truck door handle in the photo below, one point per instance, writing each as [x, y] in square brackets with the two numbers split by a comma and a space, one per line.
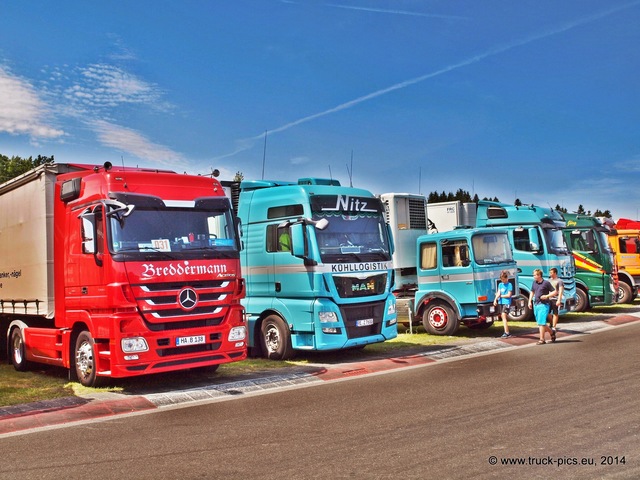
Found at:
[445, 277]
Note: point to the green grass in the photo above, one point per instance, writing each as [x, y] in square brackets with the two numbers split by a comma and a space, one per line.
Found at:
[45, 383]
[24, 387]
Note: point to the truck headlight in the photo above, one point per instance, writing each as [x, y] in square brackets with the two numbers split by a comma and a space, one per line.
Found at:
[134, 344]
[237, 333]
[327, 317]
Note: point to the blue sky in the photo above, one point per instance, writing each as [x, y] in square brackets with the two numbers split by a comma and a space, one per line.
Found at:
[531, 99]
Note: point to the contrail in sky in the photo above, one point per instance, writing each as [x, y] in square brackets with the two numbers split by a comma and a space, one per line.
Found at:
[395, 12]
[248, 143]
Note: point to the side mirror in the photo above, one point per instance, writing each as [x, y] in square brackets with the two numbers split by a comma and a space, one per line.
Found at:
[239, 232]
[88, 232]
[89, 235]
[320, 224]
[298, 240]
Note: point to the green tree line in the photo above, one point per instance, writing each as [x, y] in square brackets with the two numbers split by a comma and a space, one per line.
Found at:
[11, 167]
[465, 197]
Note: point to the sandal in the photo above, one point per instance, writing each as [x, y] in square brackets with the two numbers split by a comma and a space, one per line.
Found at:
[541, 342]
[553, 337]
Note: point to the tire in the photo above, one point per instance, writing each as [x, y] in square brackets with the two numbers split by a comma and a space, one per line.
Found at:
[582, 301]
[84, 360]
[624, 294]
[439, 319]
[527, 314]
[18, 351]
[275, 339]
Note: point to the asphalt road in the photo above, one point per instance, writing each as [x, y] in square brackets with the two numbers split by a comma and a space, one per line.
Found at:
[547, 408]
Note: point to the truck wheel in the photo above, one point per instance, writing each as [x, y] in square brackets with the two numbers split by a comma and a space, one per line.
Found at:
[85, 360]
[439, 319]
[18, 353]
[582, 301]
[625, 294]
[527, 314]
[276, 339]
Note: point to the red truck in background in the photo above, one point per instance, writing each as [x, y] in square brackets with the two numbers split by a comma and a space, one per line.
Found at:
[116, 272]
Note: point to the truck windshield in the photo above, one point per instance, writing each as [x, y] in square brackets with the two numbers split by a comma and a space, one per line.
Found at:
[356, 230]
[491, 248]
[349, 236]
[583, 241]
[603, 239]
[206, 231]
[555, 241]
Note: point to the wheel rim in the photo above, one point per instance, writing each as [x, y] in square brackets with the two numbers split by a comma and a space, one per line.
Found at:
[272, 339]
[438, 318]
[17, 348]
[84, 360]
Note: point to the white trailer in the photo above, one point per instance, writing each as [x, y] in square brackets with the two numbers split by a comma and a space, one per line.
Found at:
[406, 214]
[446, 216]
[26, 243]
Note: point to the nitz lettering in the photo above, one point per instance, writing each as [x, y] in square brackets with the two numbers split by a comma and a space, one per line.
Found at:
[345, 203]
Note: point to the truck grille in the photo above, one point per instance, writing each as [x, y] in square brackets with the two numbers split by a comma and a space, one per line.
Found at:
[352, 313]
[351, 286]
[204, 304]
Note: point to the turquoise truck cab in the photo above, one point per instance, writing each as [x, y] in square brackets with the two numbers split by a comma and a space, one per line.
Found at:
[536, 234]
[317, 264]
[458, 274]
[596, 273]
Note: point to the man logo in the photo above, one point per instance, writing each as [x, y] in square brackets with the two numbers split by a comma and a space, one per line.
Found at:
[188, 298]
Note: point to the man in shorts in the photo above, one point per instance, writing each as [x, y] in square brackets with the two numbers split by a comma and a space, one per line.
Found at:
[541, 292]
[556, 302]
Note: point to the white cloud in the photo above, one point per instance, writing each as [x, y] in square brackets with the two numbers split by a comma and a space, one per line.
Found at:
[630, 165]
[22, 111]
[134, 143]
[108, 86]
[300, 160]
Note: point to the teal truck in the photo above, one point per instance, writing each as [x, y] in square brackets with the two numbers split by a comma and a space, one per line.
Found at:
[596, 275]
[317, 265]
[447, 278]
[458, 274]
[537, 236]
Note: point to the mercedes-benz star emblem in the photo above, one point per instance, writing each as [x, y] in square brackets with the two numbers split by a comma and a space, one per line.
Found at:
[188, 298]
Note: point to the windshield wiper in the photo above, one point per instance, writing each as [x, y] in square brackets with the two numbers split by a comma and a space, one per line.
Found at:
[155, 250]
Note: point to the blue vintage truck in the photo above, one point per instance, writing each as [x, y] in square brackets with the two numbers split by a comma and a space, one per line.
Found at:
[458, 274]
[317, 264]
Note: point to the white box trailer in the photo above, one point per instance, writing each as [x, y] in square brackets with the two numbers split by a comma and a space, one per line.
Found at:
[446, 216]
[406, 216]
[26, 243]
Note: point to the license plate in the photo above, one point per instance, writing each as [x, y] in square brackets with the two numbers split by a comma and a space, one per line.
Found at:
[364, 322]
[193, 340]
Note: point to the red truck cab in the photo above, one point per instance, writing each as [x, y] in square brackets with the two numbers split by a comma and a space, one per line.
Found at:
[142, 275]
